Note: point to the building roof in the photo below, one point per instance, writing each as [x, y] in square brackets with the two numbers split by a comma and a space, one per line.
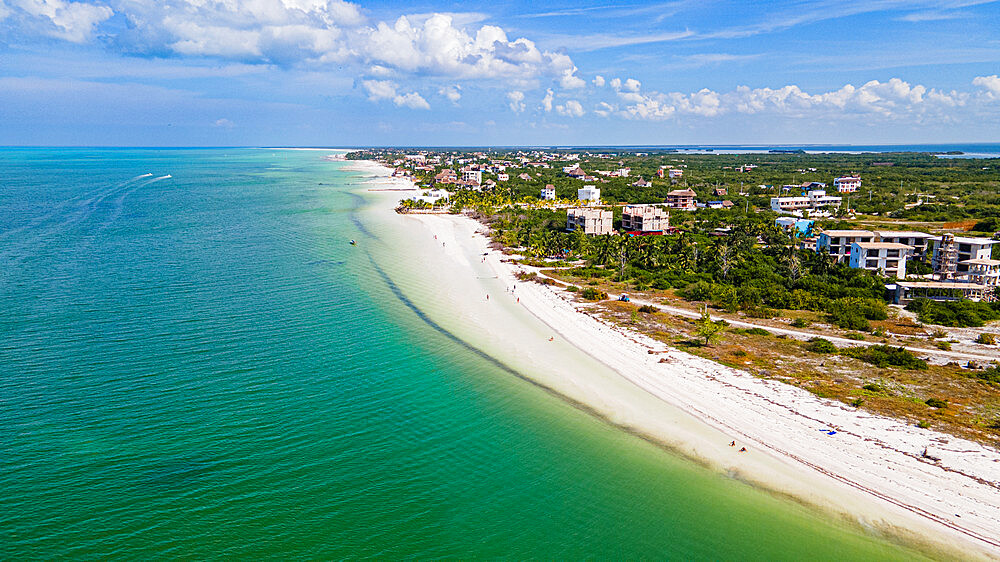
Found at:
[902, 234]
[939, 285]
[991, 263]
[974, 241]
[832, 233]
[881, 246]
[682, 193]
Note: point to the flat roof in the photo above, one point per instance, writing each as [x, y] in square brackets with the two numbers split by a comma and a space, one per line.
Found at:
[968, 240]
[903, 233]
[881, 245]
[981, 262]
[848, 233]
[939, 285]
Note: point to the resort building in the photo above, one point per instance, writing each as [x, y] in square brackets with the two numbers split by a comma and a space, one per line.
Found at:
[549, 192]
[645, 218]
[591, 221]
[838, 243]
[816, 202]
[682, 199]
[917, 241]
[472, 176]
[589, 193]
[847, 184]
[888, 258]
[503, 176]
[950, 251]
[800, 226]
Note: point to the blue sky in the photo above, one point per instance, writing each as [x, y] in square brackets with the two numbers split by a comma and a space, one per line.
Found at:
[330, 72]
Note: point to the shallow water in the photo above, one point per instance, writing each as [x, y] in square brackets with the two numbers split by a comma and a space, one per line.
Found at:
[202, 366]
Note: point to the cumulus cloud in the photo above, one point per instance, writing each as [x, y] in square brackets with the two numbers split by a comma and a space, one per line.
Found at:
[223, 123]
[412, 100]
[599, 81]
[516, 99]
[892, 99]
[989, 83]
[70, 21]
[388, 90]
[547, 100]
[453, 93]
[571, 108]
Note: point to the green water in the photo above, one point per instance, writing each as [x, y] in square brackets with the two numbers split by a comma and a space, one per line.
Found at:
[200, 366]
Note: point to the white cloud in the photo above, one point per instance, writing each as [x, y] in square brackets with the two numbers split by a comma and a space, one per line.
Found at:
[599, 81]
[990, 83]
[412, 100]
[547, 100]
[571, 108]
[453, 93]
[893, 99]
[604, 109]
[223, 123]
[516, 99]
[379, 89]
[71, 21]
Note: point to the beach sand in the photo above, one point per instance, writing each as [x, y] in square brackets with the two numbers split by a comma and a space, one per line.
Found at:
[870, 472]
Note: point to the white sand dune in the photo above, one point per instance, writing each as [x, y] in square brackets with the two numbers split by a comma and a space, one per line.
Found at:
[871, 471]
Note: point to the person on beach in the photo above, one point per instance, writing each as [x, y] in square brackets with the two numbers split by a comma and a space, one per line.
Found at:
[733, 444]
[743, 449]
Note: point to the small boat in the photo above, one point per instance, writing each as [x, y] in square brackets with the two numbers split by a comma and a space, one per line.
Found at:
[353, 243]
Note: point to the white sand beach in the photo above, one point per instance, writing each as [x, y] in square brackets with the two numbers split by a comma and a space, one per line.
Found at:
[870, 471]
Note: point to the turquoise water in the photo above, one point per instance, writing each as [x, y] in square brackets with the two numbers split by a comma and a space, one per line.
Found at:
[199, 366]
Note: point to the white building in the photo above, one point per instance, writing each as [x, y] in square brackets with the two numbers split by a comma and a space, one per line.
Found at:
[589, 193]
[474, 176]
[817, 202]
[847, 184]
[962, 249]
[888, 258]
[984, 272]
[503, 176]
[838, 243]
[549, 192]
[915, 240]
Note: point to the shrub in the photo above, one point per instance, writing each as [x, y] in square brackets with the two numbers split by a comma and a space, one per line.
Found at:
[886, 356]
[923, 424]
[761, 312]
[936, 403]
[800, 323]
[960, 313]
[648, 309]
[573, 288]
[820, 345]
[986, 339]
[757, 332]
[875, 387]
[943, 345]
[857, 402]
[855, 336]
[592, 294]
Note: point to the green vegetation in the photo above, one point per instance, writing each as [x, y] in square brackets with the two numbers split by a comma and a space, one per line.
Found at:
[648, 309]
[821, 345]
[962, 313]
[708, 329]
[986, 339]
[592, 294]
[886, 356]
[936, 403]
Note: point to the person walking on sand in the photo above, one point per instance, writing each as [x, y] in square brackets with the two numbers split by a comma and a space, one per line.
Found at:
[733, 444]
[743, 449]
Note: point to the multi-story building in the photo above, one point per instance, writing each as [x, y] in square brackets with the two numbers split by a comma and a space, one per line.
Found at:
[589, 193]
[816, 202]
[549, 192]
[838, 243]
[888, 258]
[645, 218]
[847, 184]
[681, 199]
[591, 221]
[950, 251]
[472, 176]
[917, 241]
[984, 272]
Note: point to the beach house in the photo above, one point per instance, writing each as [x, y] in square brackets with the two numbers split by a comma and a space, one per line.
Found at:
[645, 218]
[591, 221]
[917, 241]
[549, 192]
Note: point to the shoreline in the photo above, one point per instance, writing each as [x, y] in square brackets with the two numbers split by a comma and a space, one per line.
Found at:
[869, 473]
